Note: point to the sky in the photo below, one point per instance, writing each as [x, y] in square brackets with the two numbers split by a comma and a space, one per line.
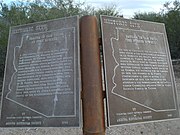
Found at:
[127, 8]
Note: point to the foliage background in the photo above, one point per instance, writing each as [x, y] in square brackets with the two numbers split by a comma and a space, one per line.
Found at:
[18, 13]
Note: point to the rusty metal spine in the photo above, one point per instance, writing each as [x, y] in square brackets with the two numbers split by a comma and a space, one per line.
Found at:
[92, 93]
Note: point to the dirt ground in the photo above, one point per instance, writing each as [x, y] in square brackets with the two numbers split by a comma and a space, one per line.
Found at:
[170, 127]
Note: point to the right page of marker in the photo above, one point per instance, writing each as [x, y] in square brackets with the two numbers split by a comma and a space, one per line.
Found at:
[139, 78]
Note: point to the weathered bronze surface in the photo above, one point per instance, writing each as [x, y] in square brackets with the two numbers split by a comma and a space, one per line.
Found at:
[140, 83]
[42, 78]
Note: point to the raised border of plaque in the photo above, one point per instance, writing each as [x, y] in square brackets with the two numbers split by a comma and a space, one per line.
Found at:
[42, 80]
[139, 78]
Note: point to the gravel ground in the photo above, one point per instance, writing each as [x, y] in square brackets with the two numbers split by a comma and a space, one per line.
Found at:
[170, 127]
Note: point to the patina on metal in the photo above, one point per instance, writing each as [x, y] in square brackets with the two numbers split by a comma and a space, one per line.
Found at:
[139, 77]
[42, 76]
